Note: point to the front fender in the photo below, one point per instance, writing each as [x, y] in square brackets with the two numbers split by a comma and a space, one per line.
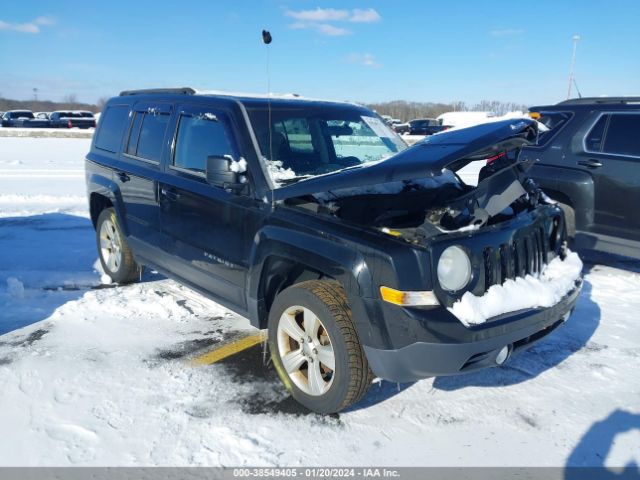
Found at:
[341, 262]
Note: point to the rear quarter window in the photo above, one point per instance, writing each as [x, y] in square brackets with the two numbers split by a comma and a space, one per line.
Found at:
[113, 122]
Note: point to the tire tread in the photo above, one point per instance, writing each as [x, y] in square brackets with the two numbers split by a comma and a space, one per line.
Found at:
[332, 294]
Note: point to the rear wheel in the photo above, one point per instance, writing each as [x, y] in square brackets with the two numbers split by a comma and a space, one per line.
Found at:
[315, 348]
[115, 255]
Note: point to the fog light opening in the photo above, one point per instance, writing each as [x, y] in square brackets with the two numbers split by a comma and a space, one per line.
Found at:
[503, 354]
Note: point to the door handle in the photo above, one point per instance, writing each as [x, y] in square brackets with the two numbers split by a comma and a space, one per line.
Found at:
[123, 177]
[169, 194]
[590, 163]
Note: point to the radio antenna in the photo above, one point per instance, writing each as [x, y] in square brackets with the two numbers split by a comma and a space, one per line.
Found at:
[267, 39]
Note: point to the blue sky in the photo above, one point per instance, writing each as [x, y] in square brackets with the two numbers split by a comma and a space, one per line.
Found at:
[356, 50]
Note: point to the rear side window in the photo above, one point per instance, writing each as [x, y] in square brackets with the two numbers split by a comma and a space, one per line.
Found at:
[594, 139]
[201, 135]
[147, 135]
[111, 127]
[623, 135]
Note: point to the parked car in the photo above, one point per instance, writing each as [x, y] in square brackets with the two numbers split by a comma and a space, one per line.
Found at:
[265, 206]
[67, 119]
[589, 161]
[22, 119]
[85, 113]
[420, 126]
[390, 120]
[401, 128]
[426, 126]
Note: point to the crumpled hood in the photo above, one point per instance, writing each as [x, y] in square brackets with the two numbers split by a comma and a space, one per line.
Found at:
[452, 149]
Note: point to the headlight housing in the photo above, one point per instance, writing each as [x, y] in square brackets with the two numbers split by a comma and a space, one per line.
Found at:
[454, 269]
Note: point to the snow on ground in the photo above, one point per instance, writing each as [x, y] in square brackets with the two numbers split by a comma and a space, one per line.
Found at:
[99, 375]
[42, 175]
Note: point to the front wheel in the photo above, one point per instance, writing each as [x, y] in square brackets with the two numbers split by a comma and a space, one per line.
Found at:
[315, 348]
[115, 255]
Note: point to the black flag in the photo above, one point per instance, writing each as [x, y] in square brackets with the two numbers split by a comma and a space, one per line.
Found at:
[266, 37]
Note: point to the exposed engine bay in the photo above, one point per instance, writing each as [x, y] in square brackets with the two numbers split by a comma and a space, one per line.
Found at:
[416, 209]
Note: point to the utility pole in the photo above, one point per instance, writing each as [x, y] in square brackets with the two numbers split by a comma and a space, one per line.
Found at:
[576, 39]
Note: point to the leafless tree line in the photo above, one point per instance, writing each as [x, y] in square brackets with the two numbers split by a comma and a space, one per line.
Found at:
[69, 102]
[401, 109]
[405, 111]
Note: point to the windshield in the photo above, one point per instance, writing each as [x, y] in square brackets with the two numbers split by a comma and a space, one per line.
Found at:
[308, 141]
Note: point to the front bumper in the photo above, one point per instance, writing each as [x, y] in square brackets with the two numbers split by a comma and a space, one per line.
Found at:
[518, 331]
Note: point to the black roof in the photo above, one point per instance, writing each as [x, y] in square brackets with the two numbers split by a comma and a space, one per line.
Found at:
[614, 103]
[291, 100]
[600, 100]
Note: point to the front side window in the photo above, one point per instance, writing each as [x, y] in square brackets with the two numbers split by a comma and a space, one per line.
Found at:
[553, 122]
[201, 135]
[623, 135]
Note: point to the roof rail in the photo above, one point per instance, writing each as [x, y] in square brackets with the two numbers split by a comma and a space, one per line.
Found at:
[600, 100]
[152, 91]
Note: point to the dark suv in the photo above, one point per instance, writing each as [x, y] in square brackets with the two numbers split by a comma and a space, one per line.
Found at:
[589, 161]
[361, 256]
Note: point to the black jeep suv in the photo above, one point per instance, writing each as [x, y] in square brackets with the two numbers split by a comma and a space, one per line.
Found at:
[360, 256]
[589, 161]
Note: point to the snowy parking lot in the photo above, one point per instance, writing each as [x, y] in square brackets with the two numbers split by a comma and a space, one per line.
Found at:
[94, 374]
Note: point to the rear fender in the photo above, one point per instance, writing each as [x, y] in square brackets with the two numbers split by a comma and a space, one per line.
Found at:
[568, 185]
[106, 187]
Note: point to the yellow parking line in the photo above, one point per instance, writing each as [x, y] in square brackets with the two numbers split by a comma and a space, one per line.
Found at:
[229, 349]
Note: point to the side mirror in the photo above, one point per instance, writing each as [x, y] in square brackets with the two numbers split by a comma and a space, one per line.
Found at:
[219, 173]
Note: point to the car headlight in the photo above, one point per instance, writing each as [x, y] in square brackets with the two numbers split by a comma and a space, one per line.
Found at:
[454, 269]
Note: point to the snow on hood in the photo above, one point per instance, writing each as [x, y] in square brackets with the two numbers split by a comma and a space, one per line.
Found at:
[424, 159]
[557, 280]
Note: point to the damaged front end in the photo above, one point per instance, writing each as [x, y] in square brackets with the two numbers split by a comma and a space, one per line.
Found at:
[418, 194]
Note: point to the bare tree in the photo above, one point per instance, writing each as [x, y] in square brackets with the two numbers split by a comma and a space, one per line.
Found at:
[102, 101]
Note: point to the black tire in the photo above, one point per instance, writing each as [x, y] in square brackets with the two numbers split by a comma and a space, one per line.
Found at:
[569, 219]
[351, 377]
[127, 270]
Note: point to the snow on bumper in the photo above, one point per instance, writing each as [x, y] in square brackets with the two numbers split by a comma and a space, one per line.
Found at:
[556, 281]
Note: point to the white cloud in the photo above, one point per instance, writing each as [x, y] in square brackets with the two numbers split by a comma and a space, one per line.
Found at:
[364, 59]
[318, 15]
[332, 31]
[506, 32]
[322, 28]
[368, 15]
[357, 15]
[30, 27]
